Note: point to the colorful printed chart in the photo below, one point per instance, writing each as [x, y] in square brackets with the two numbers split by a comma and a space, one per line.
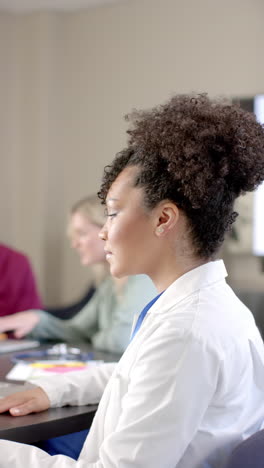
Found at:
[34, 370]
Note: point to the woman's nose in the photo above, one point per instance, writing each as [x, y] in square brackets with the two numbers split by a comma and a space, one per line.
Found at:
[74, 242]
[103, 233]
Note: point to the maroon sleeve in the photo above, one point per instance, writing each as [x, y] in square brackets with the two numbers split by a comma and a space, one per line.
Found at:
[18, 289]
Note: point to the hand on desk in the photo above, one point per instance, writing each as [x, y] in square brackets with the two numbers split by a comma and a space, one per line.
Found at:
[34, 400]
[21, 323]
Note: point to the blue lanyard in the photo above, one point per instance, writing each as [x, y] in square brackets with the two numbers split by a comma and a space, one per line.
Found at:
[143, 314]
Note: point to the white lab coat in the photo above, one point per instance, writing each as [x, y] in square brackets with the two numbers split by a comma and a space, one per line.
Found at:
[189, 387]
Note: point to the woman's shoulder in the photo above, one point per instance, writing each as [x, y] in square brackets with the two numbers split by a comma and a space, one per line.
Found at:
[13, 261]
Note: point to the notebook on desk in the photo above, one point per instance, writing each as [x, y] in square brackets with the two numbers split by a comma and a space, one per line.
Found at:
[10, 345]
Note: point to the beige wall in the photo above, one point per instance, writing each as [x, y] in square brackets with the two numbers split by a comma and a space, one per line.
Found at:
[68, 79]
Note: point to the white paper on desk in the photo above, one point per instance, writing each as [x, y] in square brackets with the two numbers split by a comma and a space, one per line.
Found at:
[25, 371]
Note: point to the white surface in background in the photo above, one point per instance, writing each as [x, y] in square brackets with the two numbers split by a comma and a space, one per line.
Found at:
[258, 201]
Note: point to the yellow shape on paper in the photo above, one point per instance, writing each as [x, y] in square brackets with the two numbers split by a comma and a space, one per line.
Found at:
[46, 365]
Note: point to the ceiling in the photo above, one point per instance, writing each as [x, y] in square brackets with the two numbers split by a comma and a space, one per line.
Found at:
[26, 6]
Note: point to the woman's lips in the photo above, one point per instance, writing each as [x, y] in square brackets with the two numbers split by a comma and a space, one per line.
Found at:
[108, 254]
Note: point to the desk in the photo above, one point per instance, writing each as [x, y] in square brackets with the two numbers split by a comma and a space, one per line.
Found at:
[51, 423]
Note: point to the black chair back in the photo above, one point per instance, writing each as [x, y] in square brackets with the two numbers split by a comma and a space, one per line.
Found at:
[248, 454]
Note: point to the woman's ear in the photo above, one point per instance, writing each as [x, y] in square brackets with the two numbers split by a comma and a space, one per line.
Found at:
[167, 217]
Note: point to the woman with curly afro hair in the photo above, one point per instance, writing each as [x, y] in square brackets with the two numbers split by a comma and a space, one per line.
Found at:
[190, 385]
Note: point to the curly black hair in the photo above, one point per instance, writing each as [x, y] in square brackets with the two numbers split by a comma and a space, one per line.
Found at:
[199, 153]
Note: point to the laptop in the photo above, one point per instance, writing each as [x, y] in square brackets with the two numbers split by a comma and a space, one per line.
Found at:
[10, 345]
[7, 388]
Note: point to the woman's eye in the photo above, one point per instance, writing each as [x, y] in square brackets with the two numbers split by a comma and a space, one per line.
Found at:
[109, 215]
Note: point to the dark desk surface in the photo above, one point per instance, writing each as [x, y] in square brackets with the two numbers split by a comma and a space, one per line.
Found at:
[50, 423]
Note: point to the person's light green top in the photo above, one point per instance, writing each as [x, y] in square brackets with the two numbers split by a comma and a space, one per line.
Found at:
[105, 320]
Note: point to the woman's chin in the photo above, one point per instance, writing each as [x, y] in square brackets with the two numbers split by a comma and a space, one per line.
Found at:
[85, 262]
[117, 272]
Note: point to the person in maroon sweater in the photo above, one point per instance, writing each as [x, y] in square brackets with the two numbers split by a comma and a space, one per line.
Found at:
[18, 289]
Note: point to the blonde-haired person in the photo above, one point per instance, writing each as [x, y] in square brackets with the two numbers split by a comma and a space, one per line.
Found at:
[106, 319]
[83, 215]
[86, 218]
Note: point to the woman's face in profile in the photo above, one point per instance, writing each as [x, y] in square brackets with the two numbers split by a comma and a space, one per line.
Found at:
[129, 232]
[84, 238]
